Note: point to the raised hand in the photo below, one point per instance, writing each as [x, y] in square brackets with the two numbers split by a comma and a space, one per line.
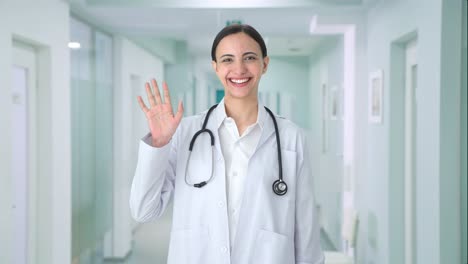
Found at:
[161, 120]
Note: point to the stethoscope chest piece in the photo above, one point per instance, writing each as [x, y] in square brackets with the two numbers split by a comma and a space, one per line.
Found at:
[280, 187]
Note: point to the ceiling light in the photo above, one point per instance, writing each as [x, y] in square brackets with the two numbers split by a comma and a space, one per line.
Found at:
[74, 45]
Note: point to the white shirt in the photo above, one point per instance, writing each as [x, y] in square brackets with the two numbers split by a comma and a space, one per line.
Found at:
[237, 151]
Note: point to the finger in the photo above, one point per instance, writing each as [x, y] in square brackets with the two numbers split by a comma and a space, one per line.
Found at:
[157, 95]
[142, 104]
[167, 97]
[150, 95]
[180, 112]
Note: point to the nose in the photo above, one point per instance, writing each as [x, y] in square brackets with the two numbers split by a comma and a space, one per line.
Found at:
[240, 67]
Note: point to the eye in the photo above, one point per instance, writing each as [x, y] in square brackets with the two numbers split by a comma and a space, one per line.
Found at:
[226, 60]
[250, 58]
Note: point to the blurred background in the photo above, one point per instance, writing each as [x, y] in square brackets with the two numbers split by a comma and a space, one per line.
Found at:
[379, 86]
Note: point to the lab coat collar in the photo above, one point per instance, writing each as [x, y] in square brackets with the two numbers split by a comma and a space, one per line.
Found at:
[266, 124]
[263, 118]
[219, 115]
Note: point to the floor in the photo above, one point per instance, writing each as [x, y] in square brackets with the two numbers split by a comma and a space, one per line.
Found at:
[150, 245]
[150, 242]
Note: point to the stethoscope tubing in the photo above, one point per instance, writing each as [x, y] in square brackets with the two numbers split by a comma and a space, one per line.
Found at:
[279, 186]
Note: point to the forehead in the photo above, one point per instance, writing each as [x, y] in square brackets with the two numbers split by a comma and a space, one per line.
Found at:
[238, 42]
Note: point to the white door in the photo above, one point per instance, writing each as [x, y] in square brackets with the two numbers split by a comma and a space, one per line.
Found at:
[23, 91]
[411, 73]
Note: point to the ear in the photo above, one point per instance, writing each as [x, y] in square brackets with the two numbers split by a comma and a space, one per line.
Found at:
[213, 64]
[266, 61]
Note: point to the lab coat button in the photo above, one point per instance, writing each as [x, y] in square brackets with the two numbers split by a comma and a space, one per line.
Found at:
[220, 204]
[224, 249]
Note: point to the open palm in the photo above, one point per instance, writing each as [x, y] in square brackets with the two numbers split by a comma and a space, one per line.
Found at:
[161, 119]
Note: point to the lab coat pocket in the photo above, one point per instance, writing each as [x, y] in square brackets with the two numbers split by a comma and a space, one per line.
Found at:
[273, 248]
[189, 246]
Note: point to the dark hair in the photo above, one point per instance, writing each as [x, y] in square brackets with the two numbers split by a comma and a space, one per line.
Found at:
[237, 28]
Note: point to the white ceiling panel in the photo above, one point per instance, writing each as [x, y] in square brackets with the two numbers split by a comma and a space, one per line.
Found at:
[285, 23]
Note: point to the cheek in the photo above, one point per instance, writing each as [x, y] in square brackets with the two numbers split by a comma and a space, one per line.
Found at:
[258, 72]
[221, 75]
[257, 69]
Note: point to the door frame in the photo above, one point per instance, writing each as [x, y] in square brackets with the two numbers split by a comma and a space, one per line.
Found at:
[410, 151]
[25, 56]
[396, 184]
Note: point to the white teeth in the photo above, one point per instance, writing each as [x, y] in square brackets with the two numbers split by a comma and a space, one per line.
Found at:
[239, 80]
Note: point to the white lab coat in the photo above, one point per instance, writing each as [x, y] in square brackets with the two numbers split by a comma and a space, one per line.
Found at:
[272, 229]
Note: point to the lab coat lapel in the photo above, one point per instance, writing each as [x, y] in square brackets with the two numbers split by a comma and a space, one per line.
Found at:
[267, 131]
[214, 122]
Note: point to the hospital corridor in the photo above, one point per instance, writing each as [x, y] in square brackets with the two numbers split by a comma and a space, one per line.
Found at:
[377, 87]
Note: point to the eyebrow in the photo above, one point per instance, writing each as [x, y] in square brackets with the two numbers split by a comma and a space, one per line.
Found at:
[226, 55]
[250, 53]
[247, 53]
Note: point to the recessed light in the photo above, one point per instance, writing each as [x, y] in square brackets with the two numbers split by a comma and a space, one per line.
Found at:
[74, 45]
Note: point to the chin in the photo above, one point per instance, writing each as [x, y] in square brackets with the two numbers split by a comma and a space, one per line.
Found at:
[242, 95]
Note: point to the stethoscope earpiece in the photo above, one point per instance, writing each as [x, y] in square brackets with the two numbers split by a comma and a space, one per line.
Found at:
[280, 187]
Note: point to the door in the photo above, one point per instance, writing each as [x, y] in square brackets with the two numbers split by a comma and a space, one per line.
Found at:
[411, 77]
[23, 90]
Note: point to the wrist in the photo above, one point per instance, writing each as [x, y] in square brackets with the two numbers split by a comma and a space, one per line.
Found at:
[158, 143]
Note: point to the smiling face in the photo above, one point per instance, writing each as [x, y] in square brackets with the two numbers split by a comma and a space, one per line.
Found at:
[239, 65]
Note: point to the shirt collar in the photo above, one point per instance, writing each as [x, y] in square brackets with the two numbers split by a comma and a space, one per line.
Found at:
[219, 114]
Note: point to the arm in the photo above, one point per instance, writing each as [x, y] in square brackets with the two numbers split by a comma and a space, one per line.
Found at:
[307, 229]
[153, 183]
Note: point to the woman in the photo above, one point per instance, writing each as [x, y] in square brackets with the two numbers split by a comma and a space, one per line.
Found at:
[236, 200]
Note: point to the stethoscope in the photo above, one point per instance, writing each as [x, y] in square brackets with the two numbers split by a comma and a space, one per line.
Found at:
[279, 186]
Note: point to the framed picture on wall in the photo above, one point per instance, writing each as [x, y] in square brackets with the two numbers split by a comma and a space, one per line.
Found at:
[375, 103]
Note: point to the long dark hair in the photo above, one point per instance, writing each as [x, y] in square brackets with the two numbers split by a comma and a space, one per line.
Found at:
[236, 28]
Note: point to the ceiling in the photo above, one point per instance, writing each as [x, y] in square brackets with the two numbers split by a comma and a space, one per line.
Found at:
[285, 24]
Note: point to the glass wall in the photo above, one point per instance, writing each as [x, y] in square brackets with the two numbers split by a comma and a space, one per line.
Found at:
[91, 121]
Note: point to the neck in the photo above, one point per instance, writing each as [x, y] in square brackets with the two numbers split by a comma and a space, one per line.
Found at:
[243, 111]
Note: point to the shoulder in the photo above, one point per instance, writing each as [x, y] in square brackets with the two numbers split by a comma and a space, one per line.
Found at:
[292, 136]
[287, 126]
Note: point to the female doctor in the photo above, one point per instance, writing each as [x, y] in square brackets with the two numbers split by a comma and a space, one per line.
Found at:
[239, 175]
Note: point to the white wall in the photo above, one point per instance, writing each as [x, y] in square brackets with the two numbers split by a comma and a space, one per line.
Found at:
[166, 49]
[326, 67]
[288, 76]
[389, 22]
[130, 60]
[463, 136]
[450, 140]
[180, 78]
[201, 70]
[44, 25]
